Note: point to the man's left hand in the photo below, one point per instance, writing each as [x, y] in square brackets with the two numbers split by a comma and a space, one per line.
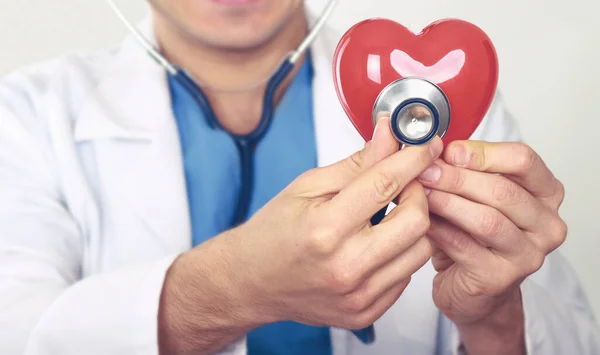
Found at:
[494, 219]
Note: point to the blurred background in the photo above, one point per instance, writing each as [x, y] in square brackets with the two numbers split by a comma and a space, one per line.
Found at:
[549, 53]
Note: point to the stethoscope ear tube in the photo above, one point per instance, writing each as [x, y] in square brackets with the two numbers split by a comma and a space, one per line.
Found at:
[198, 95]
[245, 144]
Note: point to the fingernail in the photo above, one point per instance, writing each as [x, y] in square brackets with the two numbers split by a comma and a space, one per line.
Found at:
[432, 174]
[460, 156]
[435, 147]
[427, 191]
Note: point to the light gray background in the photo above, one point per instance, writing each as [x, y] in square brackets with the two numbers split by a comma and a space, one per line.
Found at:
[549, 53]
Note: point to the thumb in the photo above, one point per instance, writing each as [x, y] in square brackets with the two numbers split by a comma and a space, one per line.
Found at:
[333, 178]
[382, 145]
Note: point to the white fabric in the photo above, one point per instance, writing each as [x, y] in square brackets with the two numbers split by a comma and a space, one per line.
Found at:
[93, 211]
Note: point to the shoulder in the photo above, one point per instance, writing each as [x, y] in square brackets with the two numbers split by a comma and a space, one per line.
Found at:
[24, 93]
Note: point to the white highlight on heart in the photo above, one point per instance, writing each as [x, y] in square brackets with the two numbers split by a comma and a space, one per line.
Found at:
[445, 69]
[374, 68]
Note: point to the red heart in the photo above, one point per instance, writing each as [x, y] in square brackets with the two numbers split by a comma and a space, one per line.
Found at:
[456, 55]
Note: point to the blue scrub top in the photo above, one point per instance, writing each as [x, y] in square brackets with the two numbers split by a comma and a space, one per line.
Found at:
[212, 174]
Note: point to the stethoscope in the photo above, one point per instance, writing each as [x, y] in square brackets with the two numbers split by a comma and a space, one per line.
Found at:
[418, 110]
[244, 143]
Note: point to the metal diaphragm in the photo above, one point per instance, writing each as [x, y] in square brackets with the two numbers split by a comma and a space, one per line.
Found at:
[418, 109]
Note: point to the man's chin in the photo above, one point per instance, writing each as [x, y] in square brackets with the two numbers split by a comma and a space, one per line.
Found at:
[239, 6]
[245, 39]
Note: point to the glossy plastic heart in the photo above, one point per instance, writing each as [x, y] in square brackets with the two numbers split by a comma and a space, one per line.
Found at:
[453, 54]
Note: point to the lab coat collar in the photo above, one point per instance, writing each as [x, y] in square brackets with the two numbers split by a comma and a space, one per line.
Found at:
[132, 99]
[130, 111]
[129, 119]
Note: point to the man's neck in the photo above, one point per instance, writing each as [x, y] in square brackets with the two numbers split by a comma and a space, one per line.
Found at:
[230, 78]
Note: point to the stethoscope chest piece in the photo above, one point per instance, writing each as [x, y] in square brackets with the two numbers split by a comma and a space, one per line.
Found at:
[418, 110]
[439, 82]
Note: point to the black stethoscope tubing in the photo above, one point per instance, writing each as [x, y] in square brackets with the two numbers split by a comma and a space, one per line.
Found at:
[244, 143]
[247, 143]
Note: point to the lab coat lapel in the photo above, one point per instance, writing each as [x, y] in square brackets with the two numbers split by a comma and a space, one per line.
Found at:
[409, 326]
[129, 119]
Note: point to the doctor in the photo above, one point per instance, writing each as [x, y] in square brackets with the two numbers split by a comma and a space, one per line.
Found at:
[116, 199]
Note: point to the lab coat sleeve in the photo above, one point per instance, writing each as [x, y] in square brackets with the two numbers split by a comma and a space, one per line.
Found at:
[46, 307]
[558, 317]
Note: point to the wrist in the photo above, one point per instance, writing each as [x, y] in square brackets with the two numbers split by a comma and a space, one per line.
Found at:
[204, 305]
[500, 332]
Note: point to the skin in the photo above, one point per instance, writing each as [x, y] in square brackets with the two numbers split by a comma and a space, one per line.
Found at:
[494, 220]
[487, 222]
[309, 255]
[231, 50]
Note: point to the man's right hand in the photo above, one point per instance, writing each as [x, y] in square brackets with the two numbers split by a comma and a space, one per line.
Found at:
[310, 255]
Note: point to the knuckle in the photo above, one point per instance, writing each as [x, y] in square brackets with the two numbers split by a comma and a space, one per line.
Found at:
[505, 190]
[526, 157]
[479, 156]
[559, 233]
[489, 224]
[343, 278]
[443, 201]
[385, 187]
[355, 161]
[355, 302]
[362, 320]
[322, 241]
[356, 322]
[458, 242]
[505, 279]
[417, 219]
[425, 252]
[536, 260]
[457, 181]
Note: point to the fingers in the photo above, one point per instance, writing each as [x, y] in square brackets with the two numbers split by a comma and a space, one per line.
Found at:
[439, 259]
[490, 272]
[400, 268]
[379, 292]
[503, 194]
[398, 231]
[363, 314]
[332, 178]
[379, 185]
[486, 224]
[515, 159]
[382, 145]
[452, 243]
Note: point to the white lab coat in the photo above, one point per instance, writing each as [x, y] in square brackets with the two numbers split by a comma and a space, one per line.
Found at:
[93, 211]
